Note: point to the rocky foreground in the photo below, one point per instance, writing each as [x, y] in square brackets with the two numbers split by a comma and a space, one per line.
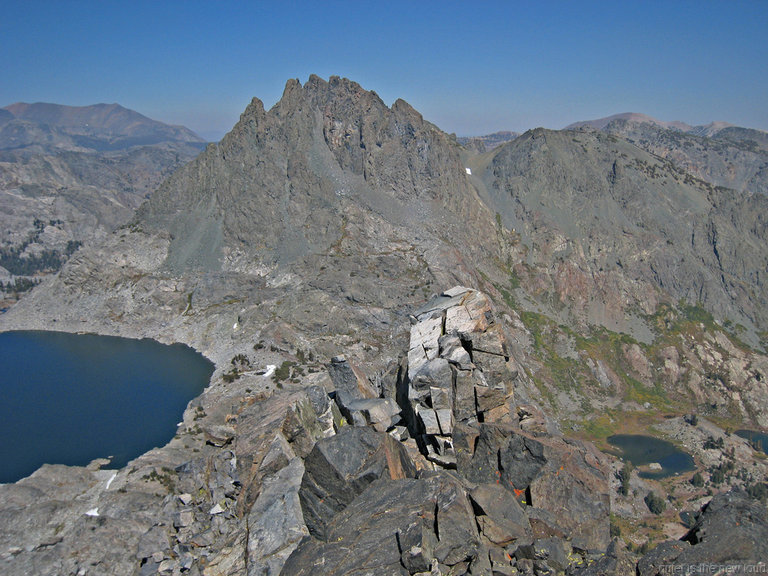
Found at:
[439, 466]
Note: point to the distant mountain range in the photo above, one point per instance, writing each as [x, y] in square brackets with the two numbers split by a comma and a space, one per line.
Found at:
[100, 127]
[600, 123]
[706, 130]
[70, 173]
[719, 153]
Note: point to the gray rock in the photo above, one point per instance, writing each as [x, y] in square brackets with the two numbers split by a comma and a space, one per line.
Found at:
[732, 530]
[185, 518]
[567, 479]
[452, 350]
[275, 523]
[351, 384]
[341, 467]
[395, 527]
[489, 341]
[464, 394]
[445, 421]
[434, 374]
[487, 398]
[219, 434]
[153, 544]
[456, 291]
[400, 433]
[499, 516]
[441, 391]
[428, 420]
[380, 413]
[662, 556]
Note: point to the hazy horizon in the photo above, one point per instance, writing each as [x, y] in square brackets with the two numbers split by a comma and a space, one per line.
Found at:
[470, 70]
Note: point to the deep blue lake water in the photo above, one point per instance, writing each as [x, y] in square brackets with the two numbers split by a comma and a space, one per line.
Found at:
[759, 439]
[71, 398]
[643, 450]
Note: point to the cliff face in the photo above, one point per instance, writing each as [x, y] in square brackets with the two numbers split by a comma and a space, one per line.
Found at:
[730, 156]
[627, 226]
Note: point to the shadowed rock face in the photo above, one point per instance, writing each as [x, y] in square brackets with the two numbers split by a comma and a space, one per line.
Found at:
[341, 467]
[731, 532]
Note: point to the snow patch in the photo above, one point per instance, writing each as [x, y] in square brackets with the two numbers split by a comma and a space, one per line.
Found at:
[109, 482]
[469, 171]
[92, 512]
[270, 370]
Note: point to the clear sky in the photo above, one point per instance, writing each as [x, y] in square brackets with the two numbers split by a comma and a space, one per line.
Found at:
[469, 67]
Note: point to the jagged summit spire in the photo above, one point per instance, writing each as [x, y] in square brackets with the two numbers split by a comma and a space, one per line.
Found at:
[322, 92]
[285, 176]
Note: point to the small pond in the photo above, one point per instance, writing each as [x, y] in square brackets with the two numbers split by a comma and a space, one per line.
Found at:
[758, 439]
[643, 451]
[71, 398]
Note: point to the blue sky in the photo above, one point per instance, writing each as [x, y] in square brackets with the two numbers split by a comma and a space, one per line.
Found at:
[469, 67]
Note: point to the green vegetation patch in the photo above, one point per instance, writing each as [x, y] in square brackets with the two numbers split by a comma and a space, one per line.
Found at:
[606, 346]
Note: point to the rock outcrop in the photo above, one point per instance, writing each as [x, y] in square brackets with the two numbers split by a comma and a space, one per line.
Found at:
[218, 497]
[731, 535]
[498, 497]
[341, 467]
[459, 370]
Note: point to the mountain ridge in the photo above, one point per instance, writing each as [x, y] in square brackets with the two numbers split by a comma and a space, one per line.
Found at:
[71, 174]
[709, 129]
[298, 254]
[116, 125]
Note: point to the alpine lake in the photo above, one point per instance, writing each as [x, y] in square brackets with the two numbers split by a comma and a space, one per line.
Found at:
[653, 457]
[71, 398]
[758, 440]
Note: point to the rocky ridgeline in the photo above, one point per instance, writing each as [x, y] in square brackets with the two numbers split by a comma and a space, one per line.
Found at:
[467, 481]
[462, 488]
[459, 370]
[431, 469]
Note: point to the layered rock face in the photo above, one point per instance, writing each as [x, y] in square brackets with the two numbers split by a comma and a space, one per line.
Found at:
[731, 534]
[615, 224]
[459, 370]
[277, 185]
[727, 156]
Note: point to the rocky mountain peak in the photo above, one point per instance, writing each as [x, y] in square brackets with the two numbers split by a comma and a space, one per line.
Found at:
[291, 177]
